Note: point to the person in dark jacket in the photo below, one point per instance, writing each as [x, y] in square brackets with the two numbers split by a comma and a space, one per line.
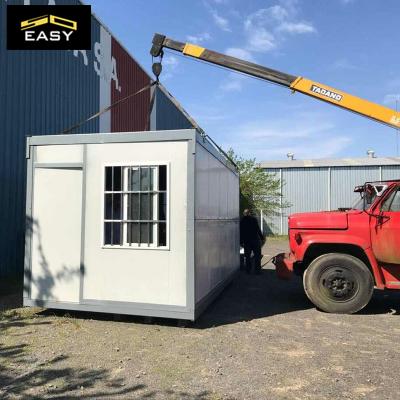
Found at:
[251, 239]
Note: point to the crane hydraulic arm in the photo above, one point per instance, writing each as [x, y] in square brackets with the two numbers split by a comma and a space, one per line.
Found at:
[295, 83]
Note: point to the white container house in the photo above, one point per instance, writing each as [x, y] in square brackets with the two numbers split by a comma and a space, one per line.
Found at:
[143, 223]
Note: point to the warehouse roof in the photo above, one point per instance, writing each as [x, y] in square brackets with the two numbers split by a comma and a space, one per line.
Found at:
[331, 162]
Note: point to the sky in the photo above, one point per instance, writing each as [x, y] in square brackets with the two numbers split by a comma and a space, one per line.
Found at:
[351, 45]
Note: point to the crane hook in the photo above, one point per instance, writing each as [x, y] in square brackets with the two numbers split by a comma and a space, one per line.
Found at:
[157, 67]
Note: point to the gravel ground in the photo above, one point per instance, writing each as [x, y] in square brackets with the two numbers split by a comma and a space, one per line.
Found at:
[261, 339]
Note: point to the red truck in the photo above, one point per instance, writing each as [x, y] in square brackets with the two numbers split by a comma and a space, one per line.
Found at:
[342, 255]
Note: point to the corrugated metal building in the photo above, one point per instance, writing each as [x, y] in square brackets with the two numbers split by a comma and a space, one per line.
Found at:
[45, 92]
[324, 184]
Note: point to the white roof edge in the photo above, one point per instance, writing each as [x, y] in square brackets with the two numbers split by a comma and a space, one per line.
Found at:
[326, 163]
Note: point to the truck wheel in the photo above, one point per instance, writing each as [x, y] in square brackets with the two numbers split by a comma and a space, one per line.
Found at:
[338, 283]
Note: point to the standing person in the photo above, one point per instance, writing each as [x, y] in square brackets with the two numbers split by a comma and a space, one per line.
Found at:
[251, 238]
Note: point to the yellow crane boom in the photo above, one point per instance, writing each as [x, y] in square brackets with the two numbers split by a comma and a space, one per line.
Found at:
[306, 86]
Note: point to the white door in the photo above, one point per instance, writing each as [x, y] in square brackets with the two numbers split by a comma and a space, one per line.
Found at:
[56, 238]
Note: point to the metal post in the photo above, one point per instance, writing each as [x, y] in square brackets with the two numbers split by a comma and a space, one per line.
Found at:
[281, 201]
[329, 188]
[397, 131]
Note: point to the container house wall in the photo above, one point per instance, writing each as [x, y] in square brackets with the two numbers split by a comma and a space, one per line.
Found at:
[68, 265]
[154, 276]
[318, 189]
[45, 92]
[216, 222]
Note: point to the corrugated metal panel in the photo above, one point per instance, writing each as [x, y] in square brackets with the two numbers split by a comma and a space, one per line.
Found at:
[274, 224]
[345, 179]
[45, 92]
[301, 184]
[392, 172]
[317, 189]
[134, 114]
[216, 221]
[166, 115]
[299, 190]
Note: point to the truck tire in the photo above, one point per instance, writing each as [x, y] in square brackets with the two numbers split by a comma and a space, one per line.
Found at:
[338, 283]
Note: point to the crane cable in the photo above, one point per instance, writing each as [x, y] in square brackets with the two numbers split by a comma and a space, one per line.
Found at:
[108, 108]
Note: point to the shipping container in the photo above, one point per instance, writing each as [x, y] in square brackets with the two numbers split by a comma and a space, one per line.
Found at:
[130, 223]
[46, 92]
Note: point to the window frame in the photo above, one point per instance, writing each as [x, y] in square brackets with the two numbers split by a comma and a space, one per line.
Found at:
[134, 246]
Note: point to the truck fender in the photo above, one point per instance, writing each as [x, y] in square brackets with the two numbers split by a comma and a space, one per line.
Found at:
[350, 241]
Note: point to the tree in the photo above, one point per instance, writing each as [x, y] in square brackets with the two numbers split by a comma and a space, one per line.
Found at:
[259, 190]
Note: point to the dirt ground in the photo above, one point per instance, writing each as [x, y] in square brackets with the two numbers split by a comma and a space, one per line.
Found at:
[261, 339]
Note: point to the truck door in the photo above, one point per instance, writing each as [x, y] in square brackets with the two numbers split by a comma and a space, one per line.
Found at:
[385, 230]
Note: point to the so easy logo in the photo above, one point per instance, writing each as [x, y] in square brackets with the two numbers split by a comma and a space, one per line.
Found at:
[54, 35]
[49, 27]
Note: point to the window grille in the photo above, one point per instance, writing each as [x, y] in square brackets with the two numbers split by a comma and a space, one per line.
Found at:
[135, 206]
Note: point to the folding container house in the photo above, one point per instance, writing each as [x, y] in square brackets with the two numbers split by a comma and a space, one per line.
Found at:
[143, 223]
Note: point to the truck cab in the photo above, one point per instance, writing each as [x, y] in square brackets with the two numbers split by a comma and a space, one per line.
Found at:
[343, 255]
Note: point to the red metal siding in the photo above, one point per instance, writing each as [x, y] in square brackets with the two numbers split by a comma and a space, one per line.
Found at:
[132, 115]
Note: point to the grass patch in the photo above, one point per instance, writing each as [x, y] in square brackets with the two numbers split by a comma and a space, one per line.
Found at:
[17, 314]
[278, 237]
[67, 319]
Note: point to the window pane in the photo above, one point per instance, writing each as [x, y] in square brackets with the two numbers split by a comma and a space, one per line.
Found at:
[113, 206]
[152, 172]
[108, 206]
[145, 178]
[146, 233]
[107, 232]
[162, 234]
[116, 233]
[396, 203]
[133, 232]
[108, 179]
[112, 233]
[117, 206]
[117, 179]
[146, 206]
[386, 205]
[162, 206]
[162, 177]
[133, 206]
[133, 179]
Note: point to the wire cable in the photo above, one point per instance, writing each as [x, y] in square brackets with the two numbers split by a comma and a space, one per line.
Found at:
[108, 108]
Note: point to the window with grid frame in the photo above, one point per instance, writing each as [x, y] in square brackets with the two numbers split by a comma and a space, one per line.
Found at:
[135, 206]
